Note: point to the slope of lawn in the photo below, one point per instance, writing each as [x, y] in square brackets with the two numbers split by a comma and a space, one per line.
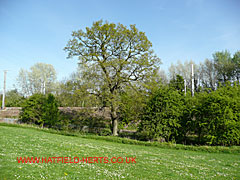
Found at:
[151, 162]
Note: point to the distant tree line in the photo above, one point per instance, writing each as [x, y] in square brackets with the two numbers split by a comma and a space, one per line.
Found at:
[221, 68]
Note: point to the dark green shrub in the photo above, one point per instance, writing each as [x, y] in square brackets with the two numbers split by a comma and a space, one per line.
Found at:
[162, 116]
[218, 116]
[51, 112]
[33, 109]
[40, 110]
[131, 107]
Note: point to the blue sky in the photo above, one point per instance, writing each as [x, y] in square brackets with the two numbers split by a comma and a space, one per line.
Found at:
[34, 31]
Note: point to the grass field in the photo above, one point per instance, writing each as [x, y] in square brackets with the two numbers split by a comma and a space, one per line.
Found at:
[151, 162]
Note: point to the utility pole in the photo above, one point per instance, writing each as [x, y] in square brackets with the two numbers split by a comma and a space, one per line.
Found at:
[192, 81]
[4, 89]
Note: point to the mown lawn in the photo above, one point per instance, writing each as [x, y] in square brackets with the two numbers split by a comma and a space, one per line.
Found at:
[151, 162]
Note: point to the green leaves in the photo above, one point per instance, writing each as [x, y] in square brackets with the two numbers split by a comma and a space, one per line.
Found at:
[162, 115]
[40, 109]
[213, 118]
[51, 113]
[14, 99]
[224, 66]
[218, 116]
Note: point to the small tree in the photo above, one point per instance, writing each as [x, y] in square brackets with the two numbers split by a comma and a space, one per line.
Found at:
[33, 109]
[40, 110]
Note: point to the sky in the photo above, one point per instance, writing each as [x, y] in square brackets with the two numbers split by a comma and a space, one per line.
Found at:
[34, 31]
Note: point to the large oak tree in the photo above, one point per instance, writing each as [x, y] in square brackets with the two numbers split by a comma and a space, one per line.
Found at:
[115, 56]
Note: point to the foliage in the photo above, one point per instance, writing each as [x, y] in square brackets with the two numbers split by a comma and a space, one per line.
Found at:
[218, 116]
[84, 119]
[187, 121]
[73, 92]
[134, 99]
[131, 107]
[162, 115]
[13, 99]
[224, 66]
[40, 109]
[213, 117]
[236, 61]
[177, 83]
[33, 109]
[51, 113]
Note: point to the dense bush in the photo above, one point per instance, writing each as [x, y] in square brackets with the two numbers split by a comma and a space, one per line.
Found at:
[211, 117]
[162, 116]
[32, 109]
[218, 116]
[51, 112]
[40, 109]
[131, 107]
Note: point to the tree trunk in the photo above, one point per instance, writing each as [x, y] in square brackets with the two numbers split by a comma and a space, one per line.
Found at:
[114, 121]
[115, 127]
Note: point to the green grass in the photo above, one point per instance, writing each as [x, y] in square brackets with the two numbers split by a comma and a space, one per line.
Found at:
[151, 162]
[215, 149]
